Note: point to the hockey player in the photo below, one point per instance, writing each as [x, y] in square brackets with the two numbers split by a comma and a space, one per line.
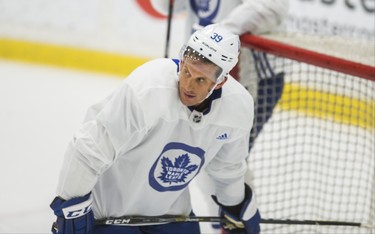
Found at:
[139, 149]
[253, 70]
[241, 16]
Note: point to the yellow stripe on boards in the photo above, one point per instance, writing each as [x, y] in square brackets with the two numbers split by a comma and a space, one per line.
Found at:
[314, 103]
[69, 57]
[324, 105]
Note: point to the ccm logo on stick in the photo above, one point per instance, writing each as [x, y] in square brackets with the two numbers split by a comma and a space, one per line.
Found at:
[117, 221]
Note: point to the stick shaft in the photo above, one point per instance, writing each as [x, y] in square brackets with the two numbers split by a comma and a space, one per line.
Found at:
[169, 25]
[128, 220]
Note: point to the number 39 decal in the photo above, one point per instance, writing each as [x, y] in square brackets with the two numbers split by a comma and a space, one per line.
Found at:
[216, 37]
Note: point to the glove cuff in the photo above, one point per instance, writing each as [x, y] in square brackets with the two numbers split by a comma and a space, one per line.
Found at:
[78, 210]
[73, 208]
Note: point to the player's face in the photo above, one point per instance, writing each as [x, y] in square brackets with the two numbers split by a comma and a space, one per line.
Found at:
[196, 81]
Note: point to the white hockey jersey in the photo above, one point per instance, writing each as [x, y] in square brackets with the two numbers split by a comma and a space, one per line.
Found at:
[139, 149]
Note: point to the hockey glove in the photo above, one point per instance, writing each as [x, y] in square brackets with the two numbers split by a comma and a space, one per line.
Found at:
[243, 218]
[74, 216]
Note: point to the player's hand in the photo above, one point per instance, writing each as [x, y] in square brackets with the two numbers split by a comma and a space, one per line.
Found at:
[243, 218]
[74, 216]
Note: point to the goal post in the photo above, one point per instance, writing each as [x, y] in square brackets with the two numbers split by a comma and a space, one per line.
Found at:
[319, 59]
[314, 158]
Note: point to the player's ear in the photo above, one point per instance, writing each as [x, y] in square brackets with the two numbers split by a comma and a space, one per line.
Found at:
[221, 83]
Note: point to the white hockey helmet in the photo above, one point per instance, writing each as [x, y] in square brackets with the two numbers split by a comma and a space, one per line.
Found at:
[217, 44]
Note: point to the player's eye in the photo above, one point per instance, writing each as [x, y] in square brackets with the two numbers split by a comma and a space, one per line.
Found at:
[201, 79]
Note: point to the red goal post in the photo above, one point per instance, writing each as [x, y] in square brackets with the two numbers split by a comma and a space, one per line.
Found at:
[310, 57]
[314, 158]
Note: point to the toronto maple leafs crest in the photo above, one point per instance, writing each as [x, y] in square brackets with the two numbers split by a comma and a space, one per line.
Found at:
[175, 167]
[177, 171]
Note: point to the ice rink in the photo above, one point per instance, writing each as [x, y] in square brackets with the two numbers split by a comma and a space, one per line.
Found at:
[41, 107]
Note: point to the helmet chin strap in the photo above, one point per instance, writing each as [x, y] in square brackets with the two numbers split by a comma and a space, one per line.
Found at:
[219, 80]
[209, 93]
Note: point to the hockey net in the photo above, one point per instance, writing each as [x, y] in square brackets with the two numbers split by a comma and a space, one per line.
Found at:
[314, 158]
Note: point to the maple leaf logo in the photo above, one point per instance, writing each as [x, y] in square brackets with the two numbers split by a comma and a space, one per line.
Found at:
[176, 172]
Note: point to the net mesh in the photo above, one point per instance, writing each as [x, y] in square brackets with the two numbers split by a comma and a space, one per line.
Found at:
[314, 158]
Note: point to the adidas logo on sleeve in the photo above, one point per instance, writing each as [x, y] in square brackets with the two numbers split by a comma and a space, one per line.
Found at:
[223, 136]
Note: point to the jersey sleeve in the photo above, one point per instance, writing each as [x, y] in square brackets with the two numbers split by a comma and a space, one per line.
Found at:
[227, 170]
[88, 154]
[113, 125]
[256, 16]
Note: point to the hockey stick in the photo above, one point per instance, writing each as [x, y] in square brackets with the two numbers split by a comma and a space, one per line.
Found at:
[129, 220]
[169, 24]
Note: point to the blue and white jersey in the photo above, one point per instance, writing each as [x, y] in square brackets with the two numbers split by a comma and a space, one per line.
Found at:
[239, 16]
[139, 149]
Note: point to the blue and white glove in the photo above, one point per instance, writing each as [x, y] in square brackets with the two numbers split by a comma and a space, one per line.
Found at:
[74, 216]
[243, 218]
